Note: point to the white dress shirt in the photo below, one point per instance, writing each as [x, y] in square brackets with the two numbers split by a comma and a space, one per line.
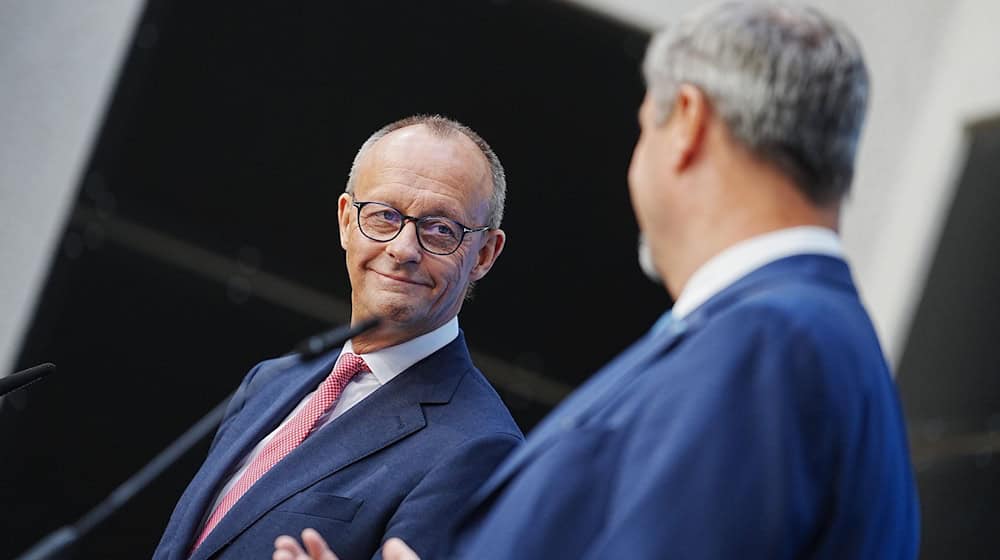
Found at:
[736, 261]
[385, 364]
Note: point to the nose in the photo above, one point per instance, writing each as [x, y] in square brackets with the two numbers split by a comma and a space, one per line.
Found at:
[405, 247]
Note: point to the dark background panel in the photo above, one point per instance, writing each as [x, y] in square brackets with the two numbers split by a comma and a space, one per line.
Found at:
[959, 498]
[140, 358]
[229, 137]
[949, 374]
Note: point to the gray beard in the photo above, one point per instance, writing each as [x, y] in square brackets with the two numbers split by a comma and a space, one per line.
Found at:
[646, 261]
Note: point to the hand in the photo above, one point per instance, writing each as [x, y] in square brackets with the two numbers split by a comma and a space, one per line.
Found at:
[287, 548]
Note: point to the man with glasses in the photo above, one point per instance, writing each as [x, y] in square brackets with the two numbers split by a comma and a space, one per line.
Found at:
[758, 418]
[391, 434]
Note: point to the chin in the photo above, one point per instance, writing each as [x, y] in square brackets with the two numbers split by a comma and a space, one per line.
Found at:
[399, 314]
[646, 261]
[393, 308]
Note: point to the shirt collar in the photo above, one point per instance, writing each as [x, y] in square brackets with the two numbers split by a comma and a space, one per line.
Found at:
[387, 363]
[736, 261]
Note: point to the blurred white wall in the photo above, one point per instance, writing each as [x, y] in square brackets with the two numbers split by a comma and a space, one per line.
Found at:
[935, 69]
[58, 65]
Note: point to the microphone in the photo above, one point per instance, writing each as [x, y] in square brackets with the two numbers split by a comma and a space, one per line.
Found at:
[62, 540]
[24, 377]
[322, 342]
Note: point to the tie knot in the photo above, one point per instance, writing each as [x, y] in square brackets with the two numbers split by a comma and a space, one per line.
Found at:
[349, 365]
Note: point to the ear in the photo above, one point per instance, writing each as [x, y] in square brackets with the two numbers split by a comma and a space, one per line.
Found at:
[688, 122]
[488, 253]
[345, 216]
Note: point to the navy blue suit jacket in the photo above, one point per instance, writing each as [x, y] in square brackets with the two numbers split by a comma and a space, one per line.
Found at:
[401, 462]
[763, 425]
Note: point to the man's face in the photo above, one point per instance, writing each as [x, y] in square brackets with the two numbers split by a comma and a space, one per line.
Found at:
[419, 174]
[648, 179]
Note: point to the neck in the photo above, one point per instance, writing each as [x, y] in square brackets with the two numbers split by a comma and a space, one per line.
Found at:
[742, 206]
[377, 339]
[387, 333]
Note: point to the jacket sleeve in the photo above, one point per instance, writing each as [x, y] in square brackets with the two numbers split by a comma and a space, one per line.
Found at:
[426, 517]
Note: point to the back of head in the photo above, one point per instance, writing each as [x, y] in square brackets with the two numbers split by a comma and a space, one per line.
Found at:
[790, 85]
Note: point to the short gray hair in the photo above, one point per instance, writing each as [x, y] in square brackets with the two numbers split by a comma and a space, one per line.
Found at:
[443, 127]
[789, 83]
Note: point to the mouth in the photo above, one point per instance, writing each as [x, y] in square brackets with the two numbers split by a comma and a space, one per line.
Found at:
[401, 279]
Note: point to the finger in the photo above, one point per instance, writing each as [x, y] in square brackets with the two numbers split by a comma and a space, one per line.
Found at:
[287, 548]
[288, 544]
[317, 547]
[396, 549]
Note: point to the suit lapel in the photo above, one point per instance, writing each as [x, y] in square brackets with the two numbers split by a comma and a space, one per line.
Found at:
[388, 415]
[258, 418]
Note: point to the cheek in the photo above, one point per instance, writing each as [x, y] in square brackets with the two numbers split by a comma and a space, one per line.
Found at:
[646, 184]
[638, 181]
[640, 157]
[650, 166]
[450, 276]
[358, 254]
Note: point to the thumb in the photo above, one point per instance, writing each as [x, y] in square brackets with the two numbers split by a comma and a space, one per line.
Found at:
[396, 549]
[317, 547]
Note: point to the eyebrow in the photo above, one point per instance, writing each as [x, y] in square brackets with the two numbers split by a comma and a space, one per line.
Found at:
[435, 211]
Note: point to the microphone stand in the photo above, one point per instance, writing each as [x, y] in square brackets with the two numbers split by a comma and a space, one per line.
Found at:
[25, 377]
[59, 543]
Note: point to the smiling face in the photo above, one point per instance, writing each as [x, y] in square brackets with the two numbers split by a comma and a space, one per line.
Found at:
[420, 173]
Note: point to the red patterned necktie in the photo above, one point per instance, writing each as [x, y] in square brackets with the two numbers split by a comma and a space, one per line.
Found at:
[289, 436]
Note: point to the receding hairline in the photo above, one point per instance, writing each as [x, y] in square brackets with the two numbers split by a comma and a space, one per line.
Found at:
[483, 179]
[441, 126]
[439, 131]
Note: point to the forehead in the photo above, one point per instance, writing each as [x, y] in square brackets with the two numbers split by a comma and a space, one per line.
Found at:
[414, 166]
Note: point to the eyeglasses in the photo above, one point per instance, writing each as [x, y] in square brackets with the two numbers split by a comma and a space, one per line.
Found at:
[435, 234]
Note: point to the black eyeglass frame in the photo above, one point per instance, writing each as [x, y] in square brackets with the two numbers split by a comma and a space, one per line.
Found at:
[416, 224]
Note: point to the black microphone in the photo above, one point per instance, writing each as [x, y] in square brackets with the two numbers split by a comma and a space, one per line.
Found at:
[21, 378]
[322, 342]
[61, 541]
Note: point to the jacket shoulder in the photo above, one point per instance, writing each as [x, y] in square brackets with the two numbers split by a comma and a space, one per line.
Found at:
[479, 408]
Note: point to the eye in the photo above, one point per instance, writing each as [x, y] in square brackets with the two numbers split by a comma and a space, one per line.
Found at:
[389, 215]
[441, 229]
[382, 214]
